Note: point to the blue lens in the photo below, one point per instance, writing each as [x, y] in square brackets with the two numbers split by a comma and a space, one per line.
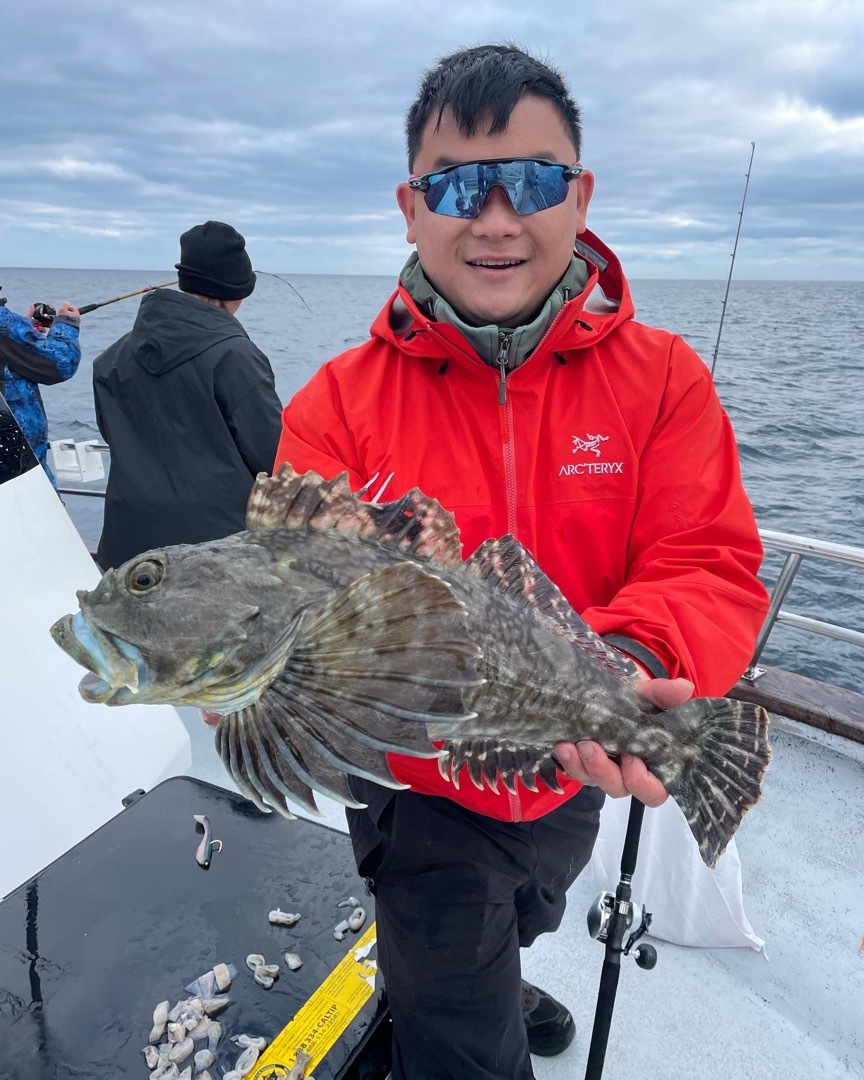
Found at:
[461, 191]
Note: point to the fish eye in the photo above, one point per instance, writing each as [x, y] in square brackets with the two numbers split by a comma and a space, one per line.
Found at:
[144, 576]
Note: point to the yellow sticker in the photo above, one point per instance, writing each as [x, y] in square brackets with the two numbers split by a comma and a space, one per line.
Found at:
[326, 1014]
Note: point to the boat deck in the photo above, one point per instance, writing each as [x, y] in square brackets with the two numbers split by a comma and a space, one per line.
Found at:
[794, 1012]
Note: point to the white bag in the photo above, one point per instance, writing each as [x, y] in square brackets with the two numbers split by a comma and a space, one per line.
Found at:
[690, 904]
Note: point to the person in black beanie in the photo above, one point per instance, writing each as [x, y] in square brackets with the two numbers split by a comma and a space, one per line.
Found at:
[214, 262]
[187, 404]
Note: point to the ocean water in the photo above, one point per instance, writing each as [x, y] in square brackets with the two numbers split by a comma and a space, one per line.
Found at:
[789, 371]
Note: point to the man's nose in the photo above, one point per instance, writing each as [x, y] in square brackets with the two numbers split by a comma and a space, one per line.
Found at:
[497, 215]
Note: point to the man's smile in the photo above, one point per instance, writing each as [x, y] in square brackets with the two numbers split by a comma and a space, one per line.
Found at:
[496, 264]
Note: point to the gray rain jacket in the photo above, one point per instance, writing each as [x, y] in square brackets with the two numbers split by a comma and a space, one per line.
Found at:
[187, 404]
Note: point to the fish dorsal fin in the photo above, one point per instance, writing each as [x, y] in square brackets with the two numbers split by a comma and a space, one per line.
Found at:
[505, 564]
[415, 524]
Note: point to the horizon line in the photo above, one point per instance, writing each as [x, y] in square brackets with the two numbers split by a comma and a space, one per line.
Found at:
[318, 273]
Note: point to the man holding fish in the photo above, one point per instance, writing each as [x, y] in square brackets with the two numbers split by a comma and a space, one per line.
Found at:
[507, 378]
[552, 543]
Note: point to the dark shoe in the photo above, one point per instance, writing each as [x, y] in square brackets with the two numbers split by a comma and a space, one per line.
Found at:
[549, 1025]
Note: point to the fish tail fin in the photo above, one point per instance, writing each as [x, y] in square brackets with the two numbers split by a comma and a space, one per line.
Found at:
[722, 753]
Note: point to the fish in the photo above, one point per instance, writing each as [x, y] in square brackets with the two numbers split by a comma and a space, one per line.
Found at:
[333, 631]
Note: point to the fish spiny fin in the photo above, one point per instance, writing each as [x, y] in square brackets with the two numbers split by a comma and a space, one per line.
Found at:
[506, 565]
[490, 761]
[415, 524]
[368, 670]
[722, 754]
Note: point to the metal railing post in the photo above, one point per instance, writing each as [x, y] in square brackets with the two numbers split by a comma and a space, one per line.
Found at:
[778, 594]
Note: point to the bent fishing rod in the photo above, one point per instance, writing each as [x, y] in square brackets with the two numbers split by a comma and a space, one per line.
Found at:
[87, 308]
[285, 281]
[734, 250]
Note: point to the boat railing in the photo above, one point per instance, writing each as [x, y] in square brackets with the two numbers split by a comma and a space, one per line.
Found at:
[797, 548]
[83, 492]
[79, 463]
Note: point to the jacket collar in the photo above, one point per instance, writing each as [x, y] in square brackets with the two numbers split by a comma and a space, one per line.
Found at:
[487, 340]
[602, 304]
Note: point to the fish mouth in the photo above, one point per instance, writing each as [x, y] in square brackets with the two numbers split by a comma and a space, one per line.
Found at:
[117, 672]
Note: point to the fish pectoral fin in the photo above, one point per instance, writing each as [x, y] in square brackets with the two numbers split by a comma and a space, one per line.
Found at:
[366, 673]
[395, 641]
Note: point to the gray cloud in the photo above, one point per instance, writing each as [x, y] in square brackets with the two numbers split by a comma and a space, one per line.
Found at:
[124, 124]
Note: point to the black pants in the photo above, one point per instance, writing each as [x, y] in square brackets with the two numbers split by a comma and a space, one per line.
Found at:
[456, 895]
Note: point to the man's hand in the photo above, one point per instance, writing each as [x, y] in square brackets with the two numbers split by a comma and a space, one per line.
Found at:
[69, 310]
[588, 763]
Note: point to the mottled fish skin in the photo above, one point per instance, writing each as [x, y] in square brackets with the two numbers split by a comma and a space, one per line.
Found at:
[334, 631]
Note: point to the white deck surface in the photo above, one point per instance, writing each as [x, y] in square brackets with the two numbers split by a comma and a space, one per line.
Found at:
[51, 801]
[727, 1014]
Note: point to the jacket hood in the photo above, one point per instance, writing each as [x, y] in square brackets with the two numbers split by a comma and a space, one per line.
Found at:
[587, 318]
[173, 327]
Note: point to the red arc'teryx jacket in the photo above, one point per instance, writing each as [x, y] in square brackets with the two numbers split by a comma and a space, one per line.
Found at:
[610, 459]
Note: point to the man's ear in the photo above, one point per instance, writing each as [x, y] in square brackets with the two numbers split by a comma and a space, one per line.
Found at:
[584, 191]
[406, 198]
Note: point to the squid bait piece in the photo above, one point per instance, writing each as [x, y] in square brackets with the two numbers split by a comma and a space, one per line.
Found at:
[283, 918]
[357, 918]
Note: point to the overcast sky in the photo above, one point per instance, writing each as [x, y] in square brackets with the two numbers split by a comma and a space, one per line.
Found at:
[123, 123]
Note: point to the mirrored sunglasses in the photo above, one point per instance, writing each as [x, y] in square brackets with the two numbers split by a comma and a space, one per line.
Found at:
[461, 191]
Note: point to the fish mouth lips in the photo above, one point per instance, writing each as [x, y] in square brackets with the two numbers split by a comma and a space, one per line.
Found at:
[116, 670]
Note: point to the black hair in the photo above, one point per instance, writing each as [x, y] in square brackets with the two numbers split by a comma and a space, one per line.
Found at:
[487, 81]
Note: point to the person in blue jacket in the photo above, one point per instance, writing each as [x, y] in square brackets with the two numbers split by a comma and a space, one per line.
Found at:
[31, 355]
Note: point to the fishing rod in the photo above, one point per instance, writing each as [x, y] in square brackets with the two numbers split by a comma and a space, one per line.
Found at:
[734, 250]
[285, 281]
[124, 296]
[150, 288]
[609, 919]
[44, 314]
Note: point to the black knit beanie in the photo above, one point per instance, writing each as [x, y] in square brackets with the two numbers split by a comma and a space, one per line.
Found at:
[214, 262]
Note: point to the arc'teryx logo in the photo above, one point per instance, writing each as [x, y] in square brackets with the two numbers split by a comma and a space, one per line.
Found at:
[590, 445]
[590, 442]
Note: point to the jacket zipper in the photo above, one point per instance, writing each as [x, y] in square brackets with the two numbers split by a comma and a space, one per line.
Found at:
[505, 340]
[504, 343]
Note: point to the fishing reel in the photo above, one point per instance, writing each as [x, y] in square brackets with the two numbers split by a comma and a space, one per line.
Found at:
[44, 314]
[600, 916]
